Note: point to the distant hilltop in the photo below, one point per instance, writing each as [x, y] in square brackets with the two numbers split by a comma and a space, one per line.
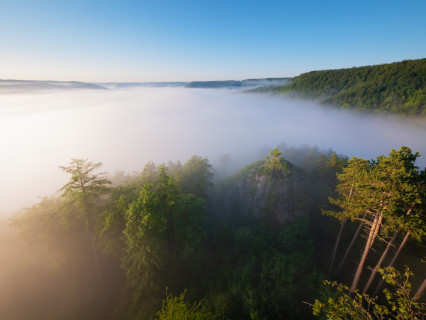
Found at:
[34, 85]
[123, 85]
[39, 85]
[238, 83]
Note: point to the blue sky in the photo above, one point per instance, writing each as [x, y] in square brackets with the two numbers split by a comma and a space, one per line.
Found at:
[202, 40]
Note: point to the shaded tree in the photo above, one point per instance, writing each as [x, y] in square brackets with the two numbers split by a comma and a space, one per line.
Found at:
[85, 188]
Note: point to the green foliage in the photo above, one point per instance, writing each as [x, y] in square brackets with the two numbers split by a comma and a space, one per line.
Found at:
[255, 256]
[400, 180]
[195, 176]
[275, 165]
[189, 217]
[46, 226]
[396, 87]
[348, 305]
[85, 188]
[390, 185]
[268, 272]
[353, 190]
[84, 184]
[112, 219]
[175, 308]
[162, 231]
[385, 194]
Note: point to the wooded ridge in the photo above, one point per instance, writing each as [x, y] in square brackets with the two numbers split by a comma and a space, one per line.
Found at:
[397, 87]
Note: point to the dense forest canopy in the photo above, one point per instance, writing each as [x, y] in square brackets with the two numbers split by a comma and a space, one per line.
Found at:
[269, 241]
[397, 87]
[184, 241]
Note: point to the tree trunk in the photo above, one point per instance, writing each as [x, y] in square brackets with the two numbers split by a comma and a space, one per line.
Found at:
[336, 245]
[333, 256]
[420, 291]
[393, 260]
[364, 255]
[373, 273]
[376, 231]
[351, 244]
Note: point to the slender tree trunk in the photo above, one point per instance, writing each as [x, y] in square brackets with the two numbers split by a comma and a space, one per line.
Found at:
[365, 253]
[420, 291]
[373, 273]
[401, 246]
[333, 256]
[351, 244]
[376, 231]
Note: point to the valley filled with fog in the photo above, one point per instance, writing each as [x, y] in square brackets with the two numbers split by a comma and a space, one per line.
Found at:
[126, 128]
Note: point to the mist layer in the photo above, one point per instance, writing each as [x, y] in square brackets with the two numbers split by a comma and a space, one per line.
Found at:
[126, 128]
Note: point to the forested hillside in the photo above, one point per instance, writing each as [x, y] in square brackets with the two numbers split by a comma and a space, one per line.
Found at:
[398, 87]
[183, 242]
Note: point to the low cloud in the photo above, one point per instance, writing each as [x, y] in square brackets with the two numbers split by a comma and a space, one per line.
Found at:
[126, 128]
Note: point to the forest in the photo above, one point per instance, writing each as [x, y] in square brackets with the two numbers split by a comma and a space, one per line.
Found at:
[301, 234]
[387, 88]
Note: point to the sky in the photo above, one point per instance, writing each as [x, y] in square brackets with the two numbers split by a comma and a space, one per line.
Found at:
[120, 41]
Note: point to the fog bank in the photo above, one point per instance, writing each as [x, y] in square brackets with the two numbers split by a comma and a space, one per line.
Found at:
[126, 128]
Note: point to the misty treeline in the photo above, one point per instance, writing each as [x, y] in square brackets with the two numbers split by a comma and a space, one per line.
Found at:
[397, 87]
[188, 241]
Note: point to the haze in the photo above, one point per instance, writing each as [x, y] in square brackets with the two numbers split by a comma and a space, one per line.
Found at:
[126, 128]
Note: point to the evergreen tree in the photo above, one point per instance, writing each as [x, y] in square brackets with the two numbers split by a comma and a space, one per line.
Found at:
[384, 189]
